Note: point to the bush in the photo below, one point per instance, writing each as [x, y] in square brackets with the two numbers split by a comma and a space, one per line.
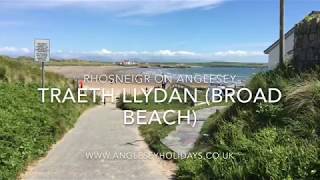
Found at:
[268, 113]
[3, 72]
[119, 103]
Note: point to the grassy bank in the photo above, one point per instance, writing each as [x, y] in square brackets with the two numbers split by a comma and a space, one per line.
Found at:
[154, 132]
[29, 127]
[269, 141]
[63, 62]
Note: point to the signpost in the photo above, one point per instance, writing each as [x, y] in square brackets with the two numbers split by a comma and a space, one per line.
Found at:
[42, 54]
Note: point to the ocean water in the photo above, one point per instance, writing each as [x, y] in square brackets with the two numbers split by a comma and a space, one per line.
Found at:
[242, 74]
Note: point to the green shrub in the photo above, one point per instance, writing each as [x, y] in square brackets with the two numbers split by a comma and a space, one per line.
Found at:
[3, 72]
[119, 103]
[268, 113]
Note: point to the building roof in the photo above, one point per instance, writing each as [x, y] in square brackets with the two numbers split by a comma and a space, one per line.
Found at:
[291, 31]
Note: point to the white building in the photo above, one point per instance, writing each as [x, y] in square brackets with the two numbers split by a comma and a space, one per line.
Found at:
[127, 63]
[274, 49]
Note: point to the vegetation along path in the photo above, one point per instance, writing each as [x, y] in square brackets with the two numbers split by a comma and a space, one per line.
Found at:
[99, 130]
[183, 138]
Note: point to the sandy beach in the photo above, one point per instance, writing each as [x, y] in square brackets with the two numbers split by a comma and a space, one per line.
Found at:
[78, 72]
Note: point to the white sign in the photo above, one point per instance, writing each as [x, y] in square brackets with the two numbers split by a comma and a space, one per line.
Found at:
[42, 50]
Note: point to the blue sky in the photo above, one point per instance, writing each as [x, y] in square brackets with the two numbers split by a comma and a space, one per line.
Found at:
[162, 30]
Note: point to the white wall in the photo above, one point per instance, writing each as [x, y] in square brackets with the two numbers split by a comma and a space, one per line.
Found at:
[274, 53]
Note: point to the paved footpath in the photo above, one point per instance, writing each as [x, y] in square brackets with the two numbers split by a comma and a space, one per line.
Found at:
[183, 138]
[99, 129]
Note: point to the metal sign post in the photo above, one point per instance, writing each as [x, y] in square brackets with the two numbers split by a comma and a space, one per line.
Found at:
[42, 54]
[42, 74]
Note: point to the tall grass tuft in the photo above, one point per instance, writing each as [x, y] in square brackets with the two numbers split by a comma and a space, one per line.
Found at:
[269, 141]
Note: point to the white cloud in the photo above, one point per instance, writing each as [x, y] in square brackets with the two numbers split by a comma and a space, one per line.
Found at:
[8, 49]
[166, 54]
[153, 7]
[157, 55]
[174, 53]
[121, 7]
[25, 50]
[179, 55]
[11, 49]
[238, 53]
[104, 52]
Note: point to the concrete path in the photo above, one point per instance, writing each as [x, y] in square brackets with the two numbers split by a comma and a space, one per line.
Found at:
[99, 130]
[183, 138]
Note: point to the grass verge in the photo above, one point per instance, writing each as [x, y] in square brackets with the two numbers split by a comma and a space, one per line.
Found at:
[269, 141]
[29, 127]
[154, 132]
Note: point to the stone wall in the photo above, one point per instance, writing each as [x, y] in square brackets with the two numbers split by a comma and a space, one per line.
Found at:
[307, 43]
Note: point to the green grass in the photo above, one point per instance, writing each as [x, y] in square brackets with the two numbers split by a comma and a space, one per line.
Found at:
[154, 132]
[29, 127]
[24, 71]
[62, 62]
[270, 141]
